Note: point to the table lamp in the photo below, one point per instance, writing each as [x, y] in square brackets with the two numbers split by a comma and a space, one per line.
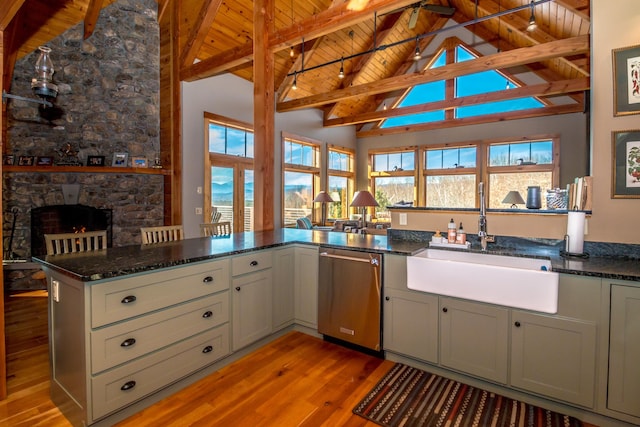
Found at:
[323, 198]
[514, 198]
[362, 199]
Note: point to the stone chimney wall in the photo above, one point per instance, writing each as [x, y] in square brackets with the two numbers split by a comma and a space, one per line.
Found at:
[108, 102]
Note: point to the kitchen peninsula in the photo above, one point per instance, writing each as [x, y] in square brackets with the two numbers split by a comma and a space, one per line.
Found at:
[129, 321]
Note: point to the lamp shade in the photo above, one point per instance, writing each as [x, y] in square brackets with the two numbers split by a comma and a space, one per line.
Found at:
[323, 197]
[362, 199]
[514, 198]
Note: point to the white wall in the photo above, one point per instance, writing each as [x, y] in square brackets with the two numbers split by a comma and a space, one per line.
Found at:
[231, 96]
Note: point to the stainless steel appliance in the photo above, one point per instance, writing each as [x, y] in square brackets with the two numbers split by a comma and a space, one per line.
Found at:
[349, 297]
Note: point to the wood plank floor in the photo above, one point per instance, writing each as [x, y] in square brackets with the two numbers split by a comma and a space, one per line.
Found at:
[297, 380]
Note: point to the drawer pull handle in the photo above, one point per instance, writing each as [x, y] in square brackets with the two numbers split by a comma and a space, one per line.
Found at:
[128, 299]
[445, 309]
[207, 314]
[517, 324]
[238, 288]
[253, 263]
[207, 349]
[128, 385]
[128, 342]
[207, 279]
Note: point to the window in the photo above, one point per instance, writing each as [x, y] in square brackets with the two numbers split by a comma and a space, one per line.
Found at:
[450, 176]
[393, 179]
[340, 176]
[464, 86]
[228, 171]
[301, 178]
[520, 164]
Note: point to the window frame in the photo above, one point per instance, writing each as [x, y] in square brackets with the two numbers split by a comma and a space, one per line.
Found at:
[397, 173]
[315, 171]
[238, 163]
[349, 174]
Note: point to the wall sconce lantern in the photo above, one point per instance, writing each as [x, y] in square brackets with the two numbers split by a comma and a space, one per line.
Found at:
[42, 84]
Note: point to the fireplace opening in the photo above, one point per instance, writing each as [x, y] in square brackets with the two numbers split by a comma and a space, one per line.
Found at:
[67, 219]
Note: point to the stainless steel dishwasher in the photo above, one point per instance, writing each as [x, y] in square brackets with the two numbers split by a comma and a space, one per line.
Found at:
[349, 300]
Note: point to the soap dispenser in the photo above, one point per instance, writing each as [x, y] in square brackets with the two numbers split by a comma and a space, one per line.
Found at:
[461, 236]
[451, 232]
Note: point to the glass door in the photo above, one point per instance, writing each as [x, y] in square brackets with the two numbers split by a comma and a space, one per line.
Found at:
[232, 195]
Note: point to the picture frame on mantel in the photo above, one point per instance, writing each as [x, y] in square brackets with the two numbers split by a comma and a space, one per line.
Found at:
[626, 80]
[120, 160]
[625, 182]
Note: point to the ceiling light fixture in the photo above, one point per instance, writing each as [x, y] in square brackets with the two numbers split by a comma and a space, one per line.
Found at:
[341, 73]
[41, 84]
[421, 36]
[532, 20]
[291, 52]
[416, 55]
[294, 86]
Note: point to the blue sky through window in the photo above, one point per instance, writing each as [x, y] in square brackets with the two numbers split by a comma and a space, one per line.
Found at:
[473, 84]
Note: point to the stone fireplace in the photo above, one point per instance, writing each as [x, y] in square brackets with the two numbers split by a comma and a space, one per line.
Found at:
[67, 219]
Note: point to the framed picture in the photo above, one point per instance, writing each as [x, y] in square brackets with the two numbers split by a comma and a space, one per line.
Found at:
[120, 159]
[625, 183]
[26, 160]
[8, 160]
[138, 162]
[44, 161]
[626, 81]
[95, 160]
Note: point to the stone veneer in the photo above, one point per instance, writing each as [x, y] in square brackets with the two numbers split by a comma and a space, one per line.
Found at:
[108, 102]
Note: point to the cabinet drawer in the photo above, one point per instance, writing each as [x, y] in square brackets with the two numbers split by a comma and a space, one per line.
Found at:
[122, 299]
[126, 341]
[121, 386]
[253, 261]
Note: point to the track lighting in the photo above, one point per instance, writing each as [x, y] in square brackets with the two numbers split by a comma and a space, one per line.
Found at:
[341, 73]
[416, 55]
[291, 52]
[532, 20]
[384, 106]
[294, 86]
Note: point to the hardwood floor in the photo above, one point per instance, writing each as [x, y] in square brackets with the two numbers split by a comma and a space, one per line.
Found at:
[297, 380]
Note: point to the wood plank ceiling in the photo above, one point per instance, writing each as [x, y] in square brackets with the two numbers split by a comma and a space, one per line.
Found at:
[313, 39]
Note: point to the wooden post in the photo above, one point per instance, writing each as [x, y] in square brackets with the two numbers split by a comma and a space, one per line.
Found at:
[263, 115]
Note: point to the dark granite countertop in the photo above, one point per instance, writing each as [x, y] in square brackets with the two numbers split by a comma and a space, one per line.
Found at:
[612, 263]
[124, 260]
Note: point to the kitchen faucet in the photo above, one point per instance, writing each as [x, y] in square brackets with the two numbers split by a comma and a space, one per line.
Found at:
[482, 222]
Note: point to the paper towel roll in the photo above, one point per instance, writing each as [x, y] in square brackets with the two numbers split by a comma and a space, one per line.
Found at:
[575, 232]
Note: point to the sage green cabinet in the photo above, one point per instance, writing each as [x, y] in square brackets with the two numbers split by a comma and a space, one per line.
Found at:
[284, 268]
[624, 350]
[306, 286]
[251, 298]
[555, 355]
[474, 338]
[410, 318]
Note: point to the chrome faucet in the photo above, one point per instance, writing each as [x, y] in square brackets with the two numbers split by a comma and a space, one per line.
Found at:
[482, 222]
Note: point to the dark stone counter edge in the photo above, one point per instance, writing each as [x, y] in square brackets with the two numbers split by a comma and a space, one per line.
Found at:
[602, 266]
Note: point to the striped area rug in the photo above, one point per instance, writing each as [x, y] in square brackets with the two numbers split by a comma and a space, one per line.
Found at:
[409, 397]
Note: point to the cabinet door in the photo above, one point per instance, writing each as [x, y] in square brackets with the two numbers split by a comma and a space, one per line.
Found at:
[283, 287]
[624, 350]
[474, 338]
[411, 324]
[251, 307]
[306, 286]
[554, 356]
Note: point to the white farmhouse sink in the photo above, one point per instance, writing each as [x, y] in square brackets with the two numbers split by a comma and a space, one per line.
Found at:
[526, 283]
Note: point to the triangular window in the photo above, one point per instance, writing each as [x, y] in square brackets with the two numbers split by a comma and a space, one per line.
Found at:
[468, 85]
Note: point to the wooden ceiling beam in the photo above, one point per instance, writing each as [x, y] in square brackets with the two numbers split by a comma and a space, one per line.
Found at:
[8, 11]
[318, 25]
[162, 8]
[526, 55]
[543, 89]
[466, 121]
[91, 17]
[198, 33]
[573, 7]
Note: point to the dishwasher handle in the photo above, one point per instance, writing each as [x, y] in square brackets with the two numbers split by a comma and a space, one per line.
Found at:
[373, 261]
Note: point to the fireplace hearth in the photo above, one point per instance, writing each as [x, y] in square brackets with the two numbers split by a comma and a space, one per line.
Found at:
[67, 219]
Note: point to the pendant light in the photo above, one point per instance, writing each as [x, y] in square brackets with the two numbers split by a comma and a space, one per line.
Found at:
[532, 20]
[416, 55]
[341, 73]
[294, 86]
